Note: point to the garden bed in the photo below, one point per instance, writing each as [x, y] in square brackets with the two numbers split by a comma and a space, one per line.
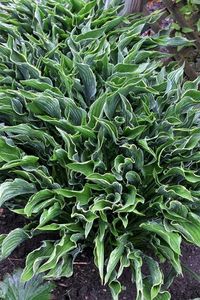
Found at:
[85, 283]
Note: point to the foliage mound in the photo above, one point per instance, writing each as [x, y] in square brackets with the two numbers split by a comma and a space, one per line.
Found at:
[99, 144]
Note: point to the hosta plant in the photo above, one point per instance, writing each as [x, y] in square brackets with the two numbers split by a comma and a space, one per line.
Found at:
[99, 144]
[12, 288]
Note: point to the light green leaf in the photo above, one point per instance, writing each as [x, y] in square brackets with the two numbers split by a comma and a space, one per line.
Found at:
[115, 257]
[12, 241]
[115, 287]
[171, 238]
[85, 168]
[11, 189]
[99, 249]
[132, 133]
[49, 214]
[26, 161]
[105, 179]
[35, 258]
[180, 191]
[8, 151]
[33, 205]
[189, 228]
[64, 246]
[82, 196]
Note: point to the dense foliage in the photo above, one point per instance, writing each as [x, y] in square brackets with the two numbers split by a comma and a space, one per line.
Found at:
[99, 144]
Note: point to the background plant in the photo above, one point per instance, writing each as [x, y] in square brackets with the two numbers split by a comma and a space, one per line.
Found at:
[11, 288]
[185, 15]
[190, 9]
[99, 143]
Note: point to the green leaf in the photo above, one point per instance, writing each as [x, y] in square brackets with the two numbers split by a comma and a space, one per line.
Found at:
[26, 161]
[131, 201]
[163, 296]
[61, 248]
[88, 80]
[33, 204]
[82, 196]
[85, 168]
[16, 187]
[99, 249]
[96, 110]
[136, 259]
[92, 34]
[189, 228]
[145, 146]
[132, 133]
[35, 258]
[165, 251]
[105, 179]
[43, 105]
[171, 238]
[49, 214]
[115, 257]
[180, 191]
[190, 176]
[39, 85]
[12, 241]
[115, 287]
[154, 281]
[111, 129]
[8, 151]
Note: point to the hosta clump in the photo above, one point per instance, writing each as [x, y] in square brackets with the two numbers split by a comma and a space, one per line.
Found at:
[99, 144]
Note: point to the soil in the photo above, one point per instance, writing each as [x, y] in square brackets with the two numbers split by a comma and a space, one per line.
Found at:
[85, 283]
